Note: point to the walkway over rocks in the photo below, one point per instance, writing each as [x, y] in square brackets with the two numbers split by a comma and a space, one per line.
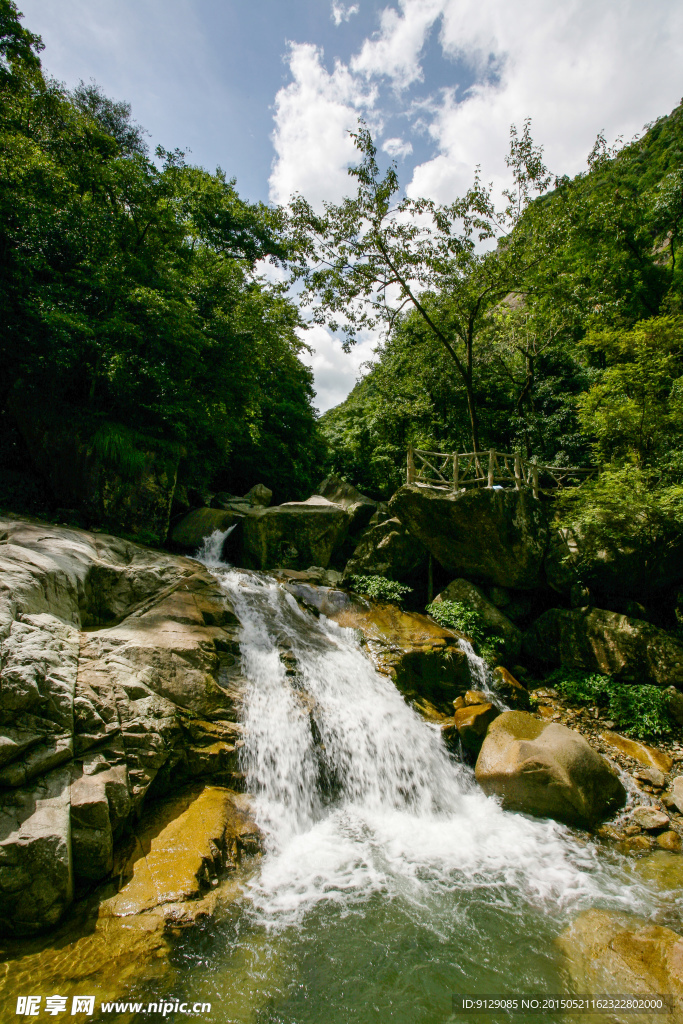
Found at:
[489, 469]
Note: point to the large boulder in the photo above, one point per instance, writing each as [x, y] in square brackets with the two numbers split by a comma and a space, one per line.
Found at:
[193, 529]
[546, 770]
[295, 535]
[119, 672]
[387, 549]
[422, 658]
[595, 640]
[497, 536]
[359, 506]
[612, 953]
[496, 623]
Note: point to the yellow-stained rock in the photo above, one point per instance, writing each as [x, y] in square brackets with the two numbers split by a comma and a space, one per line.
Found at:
[647, 756]
[423, 658]
[611, 954]
[183, 845]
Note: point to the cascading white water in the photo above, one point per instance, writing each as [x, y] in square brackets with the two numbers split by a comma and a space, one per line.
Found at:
[389, 881]
[212, 547]
[357, 794]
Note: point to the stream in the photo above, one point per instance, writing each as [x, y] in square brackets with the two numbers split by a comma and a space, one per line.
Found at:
[390, 882]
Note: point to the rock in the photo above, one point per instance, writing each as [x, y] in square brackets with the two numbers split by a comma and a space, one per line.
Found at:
[546, 770]
[472, 723]
[677, 792]
[359, 506]
[495, 536]
[187, 862]
[669, 841]
[652, 776]
[675, 704]
[650, 818]
[295, 535]
[185, 843]
[640, 752]
[510, 690]
[495, 622]
[387, 549]
[641, 573]
[499, 596]
[36, 879]
[612, 953]
[422, 658]
[199, 524]
[458, 703]
[259, 495]
[119, 671]
[475, 697]
[595, 640]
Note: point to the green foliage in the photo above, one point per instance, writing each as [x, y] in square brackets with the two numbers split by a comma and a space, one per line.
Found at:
[465, 619]
[635, 407]
[638, 710]
[579, 358]
[130, 292]
[456, 615]
[379, 587]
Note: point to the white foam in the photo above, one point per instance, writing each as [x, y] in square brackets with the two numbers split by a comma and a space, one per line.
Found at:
[397, 815]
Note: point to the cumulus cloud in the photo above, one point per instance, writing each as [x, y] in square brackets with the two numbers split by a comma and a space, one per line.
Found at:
[574, 68]
[341, 13]
[397, 147]
[394, 51]
[335, 371]
[313, 117]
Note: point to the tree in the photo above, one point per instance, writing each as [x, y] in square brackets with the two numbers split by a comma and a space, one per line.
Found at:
[634, 410]
[372, 257]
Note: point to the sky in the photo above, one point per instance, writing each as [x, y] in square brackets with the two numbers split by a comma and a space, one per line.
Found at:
[269, 89]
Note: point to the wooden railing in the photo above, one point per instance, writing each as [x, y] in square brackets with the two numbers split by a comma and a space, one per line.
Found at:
[488, 469]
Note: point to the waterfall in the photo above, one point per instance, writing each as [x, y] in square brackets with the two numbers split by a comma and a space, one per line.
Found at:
[356, 793]
[212, 547]
[480, 673]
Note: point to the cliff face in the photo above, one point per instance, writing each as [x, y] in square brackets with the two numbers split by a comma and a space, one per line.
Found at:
[119, 680]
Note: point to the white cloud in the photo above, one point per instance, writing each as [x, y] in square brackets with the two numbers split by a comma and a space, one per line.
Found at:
[335, 371]
[397, 147]
[341, 13]
[574, 68]
[313, 117]
[395, 50]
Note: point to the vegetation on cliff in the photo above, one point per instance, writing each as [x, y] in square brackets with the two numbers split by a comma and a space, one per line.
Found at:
[587, 336]
[131, 299]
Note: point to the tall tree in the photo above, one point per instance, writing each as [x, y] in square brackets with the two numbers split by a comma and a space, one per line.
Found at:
[375, 255]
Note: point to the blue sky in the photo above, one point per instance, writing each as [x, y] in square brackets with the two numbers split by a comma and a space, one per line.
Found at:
[268, 89]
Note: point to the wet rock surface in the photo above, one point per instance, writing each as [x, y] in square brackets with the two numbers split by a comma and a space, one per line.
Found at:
[548, 770]
[613, 954]
[120, 672]
[423, 659]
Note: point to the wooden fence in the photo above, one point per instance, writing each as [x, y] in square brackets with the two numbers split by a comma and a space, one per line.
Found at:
[488, 469]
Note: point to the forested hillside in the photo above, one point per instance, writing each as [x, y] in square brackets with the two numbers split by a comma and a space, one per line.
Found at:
[577, 352]
[134, 318]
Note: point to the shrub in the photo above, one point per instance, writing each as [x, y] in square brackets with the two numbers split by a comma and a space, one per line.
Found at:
[638, 710]
[456, 615]
[379, 587]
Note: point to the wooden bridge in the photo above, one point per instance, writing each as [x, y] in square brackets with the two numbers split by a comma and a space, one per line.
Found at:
[489, 469]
